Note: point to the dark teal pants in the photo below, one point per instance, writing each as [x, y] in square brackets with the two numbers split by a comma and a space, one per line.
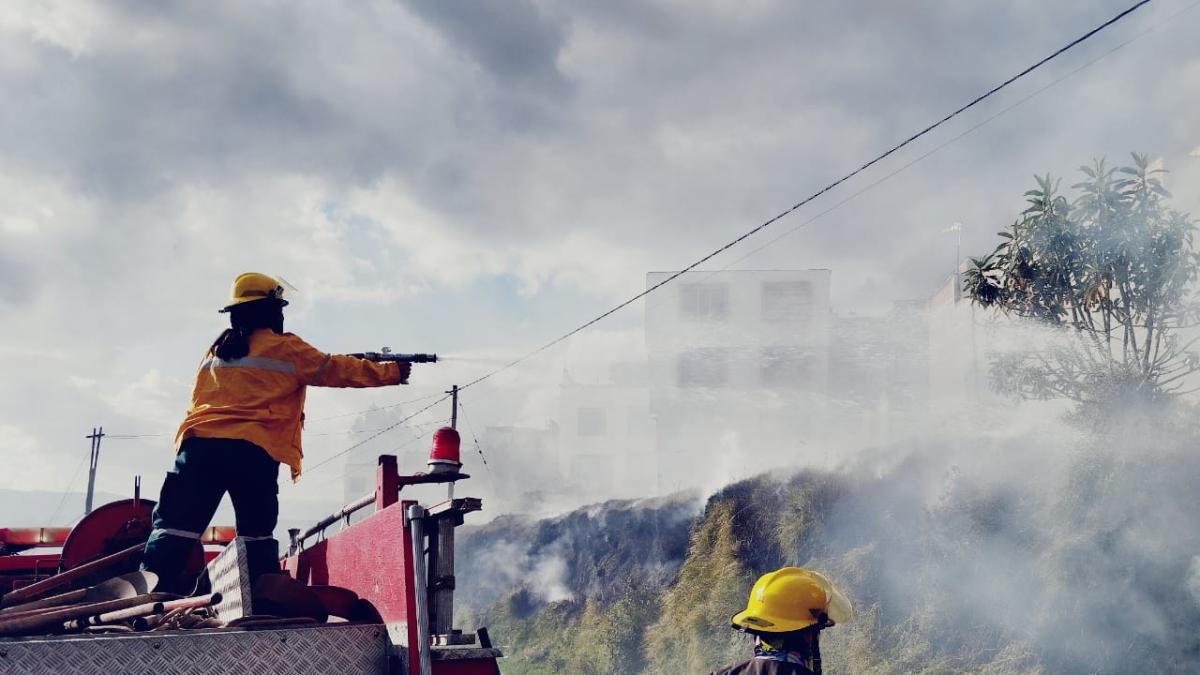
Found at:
[205, 469]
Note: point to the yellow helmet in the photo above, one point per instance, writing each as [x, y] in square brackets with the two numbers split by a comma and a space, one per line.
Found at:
[791, 599]
[251, 286]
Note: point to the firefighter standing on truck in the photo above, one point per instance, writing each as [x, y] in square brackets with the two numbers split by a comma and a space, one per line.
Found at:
[244, 421]
[786, 612]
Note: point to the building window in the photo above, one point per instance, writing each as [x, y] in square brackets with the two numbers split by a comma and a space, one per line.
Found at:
[786, 300]
[786, 367]
[593, 422]
[704, 301]
[703, 368]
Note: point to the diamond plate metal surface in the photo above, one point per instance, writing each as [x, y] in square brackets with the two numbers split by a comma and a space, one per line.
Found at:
[229, 574]
[319, 649]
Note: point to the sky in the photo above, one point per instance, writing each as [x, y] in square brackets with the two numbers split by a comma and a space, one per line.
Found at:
[477, 178]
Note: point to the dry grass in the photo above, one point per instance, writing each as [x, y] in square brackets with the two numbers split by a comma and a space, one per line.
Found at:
[1098, 576]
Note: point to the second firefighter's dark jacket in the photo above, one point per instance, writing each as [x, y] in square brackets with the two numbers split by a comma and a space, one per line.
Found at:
[764, 667]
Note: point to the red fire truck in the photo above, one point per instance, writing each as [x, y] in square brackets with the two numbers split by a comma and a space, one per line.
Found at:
[394, 567]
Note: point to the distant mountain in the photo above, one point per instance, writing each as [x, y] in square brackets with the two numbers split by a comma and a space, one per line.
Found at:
[587, 553]
[33, 508]
[1087, 565]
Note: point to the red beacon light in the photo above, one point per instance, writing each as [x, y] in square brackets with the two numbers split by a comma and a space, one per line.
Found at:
[444, 457]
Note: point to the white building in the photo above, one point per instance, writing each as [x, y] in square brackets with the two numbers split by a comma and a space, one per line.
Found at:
[739, 368]
[879, 372]
[606, 435]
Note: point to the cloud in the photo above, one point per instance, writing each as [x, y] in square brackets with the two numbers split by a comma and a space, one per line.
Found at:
[70, 26]
[152, 397]
[486, 177]
[21, 448]
[1193, 579]
[514, 41]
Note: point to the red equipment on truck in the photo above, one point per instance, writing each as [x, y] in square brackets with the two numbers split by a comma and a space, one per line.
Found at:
[388, 576]
[34, 554]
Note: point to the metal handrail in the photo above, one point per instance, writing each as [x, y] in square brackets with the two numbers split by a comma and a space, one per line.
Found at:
[344, 512]
[368, 499]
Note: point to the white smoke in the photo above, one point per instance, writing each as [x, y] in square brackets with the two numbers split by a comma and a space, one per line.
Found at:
[1193, 580]
[547, 579]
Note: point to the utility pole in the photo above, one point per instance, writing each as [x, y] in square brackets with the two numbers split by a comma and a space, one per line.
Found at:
[440, 522]
[453, 407]
[453, 425]
[956, 228]
[95, 436]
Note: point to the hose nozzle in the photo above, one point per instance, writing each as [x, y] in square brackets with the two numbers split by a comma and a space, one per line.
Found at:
[387, 355]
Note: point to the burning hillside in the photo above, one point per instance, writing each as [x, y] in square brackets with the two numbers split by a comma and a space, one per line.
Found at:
[1022, 553]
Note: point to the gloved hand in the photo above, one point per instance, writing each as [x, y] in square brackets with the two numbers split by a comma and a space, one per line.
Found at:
[405, 371]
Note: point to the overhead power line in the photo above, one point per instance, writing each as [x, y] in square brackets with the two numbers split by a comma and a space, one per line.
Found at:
[831, 186]
[367, 410]
[352, 432]
[770, 221]
[67, 489]
[420, 432]
[420, 435]
[129, 436]
[375, 435]
[975, 127]
[478, 448]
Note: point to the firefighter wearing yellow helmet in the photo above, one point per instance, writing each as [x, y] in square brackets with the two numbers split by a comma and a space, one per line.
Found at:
[786, 612]
[244, 421]
[252, 287]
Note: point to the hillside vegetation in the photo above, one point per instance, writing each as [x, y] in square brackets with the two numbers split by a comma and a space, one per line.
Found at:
[1008, 557]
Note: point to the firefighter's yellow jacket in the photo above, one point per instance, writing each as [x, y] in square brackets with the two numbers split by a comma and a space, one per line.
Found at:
[260, 397]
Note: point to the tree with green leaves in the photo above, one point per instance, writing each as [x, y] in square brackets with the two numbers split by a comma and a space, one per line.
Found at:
[1114, 271]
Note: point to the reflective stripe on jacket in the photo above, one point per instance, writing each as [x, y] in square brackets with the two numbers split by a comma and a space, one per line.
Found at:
[260, 397]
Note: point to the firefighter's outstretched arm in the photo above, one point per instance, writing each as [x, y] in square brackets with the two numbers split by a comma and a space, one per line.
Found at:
[316, 368]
